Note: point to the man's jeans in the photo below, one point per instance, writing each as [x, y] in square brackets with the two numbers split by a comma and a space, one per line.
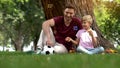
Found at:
[59, 48]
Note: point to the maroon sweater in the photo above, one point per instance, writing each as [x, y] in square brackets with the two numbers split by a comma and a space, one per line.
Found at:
[61, 31]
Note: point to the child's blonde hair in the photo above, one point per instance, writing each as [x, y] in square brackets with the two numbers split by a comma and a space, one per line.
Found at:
[87, 18]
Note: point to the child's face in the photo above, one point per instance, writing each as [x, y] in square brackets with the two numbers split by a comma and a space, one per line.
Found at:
[86, 24]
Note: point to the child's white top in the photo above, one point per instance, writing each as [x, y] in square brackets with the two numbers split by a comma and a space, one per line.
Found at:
[85, 38]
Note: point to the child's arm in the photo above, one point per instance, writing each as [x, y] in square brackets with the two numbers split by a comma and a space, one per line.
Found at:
[68, 39]
[94, 39]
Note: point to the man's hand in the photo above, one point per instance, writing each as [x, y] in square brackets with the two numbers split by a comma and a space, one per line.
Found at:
[46, 29]
[49, 42]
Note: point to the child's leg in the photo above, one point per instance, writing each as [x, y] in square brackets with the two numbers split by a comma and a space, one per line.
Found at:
[82, 49]
[97, 50]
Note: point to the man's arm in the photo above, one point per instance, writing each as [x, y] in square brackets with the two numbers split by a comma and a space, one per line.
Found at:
[46, 29]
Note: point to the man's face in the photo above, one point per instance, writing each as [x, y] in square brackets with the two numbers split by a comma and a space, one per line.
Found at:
[69, 13]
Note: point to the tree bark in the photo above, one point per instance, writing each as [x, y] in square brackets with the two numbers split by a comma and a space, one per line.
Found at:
[54, 8]
[18, 44]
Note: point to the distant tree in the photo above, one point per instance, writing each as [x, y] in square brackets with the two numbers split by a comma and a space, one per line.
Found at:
[112, 23]
[108, 18]
[20, 21]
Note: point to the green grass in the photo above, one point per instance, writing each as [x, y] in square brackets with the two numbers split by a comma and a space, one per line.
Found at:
[23, 60]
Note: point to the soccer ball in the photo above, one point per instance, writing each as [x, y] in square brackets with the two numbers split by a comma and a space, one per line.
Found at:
[47, 50]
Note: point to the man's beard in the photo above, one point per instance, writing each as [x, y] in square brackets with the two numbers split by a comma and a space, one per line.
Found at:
[68, 19]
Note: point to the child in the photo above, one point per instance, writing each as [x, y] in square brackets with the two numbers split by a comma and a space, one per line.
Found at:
[86, 38]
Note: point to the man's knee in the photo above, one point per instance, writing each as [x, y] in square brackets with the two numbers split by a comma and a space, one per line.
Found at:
[60, 49]
[43, 38]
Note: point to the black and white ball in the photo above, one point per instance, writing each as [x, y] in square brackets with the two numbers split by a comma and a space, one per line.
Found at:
[47, 50]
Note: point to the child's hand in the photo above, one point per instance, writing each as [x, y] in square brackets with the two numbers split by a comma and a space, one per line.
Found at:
[68, 39]
[90, 32]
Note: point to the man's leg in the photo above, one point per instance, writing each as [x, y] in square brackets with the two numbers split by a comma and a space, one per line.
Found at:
[59, 48]
[40, 43]
[42, 40]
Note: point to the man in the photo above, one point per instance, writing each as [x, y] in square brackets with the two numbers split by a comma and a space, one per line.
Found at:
[62, 27]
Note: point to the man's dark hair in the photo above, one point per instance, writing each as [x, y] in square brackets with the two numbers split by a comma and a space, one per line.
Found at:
[71, 6]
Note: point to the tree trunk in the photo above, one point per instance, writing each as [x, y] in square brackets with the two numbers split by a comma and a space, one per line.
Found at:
[18, 47]
[54, 8]
[18, 43]
[35, 41]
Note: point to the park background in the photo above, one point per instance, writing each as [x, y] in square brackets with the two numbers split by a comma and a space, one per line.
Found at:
[20, 24]
[20, 20]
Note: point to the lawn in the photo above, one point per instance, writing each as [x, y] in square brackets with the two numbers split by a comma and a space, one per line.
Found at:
[23, 60]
